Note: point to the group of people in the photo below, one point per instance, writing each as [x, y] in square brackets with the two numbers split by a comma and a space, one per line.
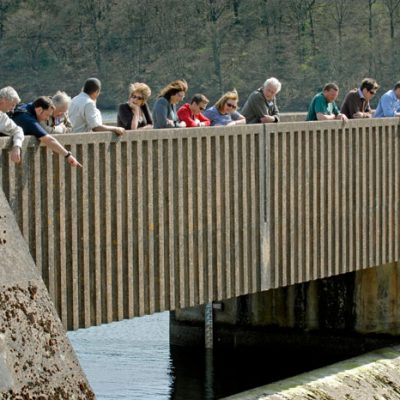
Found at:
[47, 116]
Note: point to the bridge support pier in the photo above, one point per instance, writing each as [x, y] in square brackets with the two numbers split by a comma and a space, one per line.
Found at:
[350, 313]
[36, 358]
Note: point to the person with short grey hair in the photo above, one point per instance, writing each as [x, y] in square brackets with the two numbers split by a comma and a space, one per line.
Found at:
[59, 121]
[260, 106]
[8, 100]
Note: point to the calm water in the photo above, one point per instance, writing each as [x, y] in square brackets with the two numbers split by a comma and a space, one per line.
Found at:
[128, 359]
[133, 360]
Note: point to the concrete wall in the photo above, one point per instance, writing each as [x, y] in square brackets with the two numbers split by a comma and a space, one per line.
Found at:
[36, 358]
[368, 377]
[349, 313]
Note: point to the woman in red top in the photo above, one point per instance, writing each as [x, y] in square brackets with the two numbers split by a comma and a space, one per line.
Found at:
[191, 113]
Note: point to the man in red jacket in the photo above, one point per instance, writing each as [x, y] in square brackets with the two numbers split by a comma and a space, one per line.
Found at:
[191, 113]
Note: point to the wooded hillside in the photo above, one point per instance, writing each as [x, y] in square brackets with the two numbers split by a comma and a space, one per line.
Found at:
[214, 44]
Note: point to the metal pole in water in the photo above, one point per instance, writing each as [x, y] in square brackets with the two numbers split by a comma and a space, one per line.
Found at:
[208, 326]
[209, 344]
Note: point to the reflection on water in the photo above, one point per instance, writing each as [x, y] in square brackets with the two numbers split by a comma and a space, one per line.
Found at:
[109, 116]
[132, 360]
[128, 359]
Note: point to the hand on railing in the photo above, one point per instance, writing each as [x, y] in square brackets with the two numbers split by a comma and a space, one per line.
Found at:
[118, 130]
[16, 154]
[342, 117]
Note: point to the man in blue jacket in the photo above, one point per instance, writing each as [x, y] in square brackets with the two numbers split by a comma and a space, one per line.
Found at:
[28, 117]
[389, 103]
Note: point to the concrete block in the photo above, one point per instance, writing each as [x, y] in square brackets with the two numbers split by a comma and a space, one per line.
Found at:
[36, 357]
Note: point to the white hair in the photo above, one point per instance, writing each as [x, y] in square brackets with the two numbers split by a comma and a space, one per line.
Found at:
[10, 94]
[61, 99]
[274, 83]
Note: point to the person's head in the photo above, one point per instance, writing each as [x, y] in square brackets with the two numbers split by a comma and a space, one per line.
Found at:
[368, 88]
[331, 91]
[92, 87]
[8, 99]
[198, 103]
[228, 102]
[271, 88]
[174, 91]
[44, 108]
[61, 103]
[139, 93]
[397, 89]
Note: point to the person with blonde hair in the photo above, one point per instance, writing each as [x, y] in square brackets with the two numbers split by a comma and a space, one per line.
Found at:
[135, 113]
[224, 111]
[164, 110]
[59, 122]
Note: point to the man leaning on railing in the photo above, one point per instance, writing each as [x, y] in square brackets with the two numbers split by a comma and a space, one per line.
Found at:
[8, 100]
[28, 117]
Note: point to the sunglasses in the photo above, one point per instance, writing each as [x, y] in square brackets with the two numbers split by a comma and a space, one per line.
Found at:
[202, 108]
[137, 97]
[230, 105]
[372, 91]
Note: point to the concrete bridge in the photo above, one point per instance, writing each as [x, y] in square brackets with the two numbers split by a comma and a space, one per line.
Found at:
[162, 220]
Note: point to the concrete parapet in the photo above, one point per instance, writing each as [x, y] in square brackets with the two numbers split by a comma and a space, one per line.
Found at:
[36, 358]
[368, 377]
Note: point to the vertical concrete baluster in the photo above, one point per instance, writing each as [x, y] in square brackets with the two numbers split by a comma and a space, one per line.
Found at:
[192, 286]
[149, 231]
[201, 256]
[173, 284]
[227, 209]
[162, 179]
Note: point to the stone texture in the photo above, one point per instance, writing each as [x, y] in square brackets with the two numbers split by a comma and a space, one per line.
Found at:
[373, 376]
[36, 358]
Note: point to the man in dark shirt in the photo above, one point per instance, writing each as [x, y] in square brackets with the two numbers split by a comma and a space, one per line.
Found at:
[356, 103]
[260, 106]
[29, 116]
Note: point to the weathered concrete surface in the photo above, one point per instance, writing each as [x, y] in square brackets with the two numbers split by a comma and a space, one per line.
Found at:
[373, 376]
[36, 358]
[361, 310]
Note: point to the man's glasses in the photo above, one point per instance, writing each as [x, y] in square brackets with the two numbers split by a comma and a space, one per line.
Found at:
[230, 105]
[134, 96]
[202, 108]
[372, 91]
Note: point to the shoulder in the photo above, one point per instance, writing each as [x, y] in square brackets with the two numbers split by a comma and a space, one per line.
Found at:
[352, 94]
[161, 102]
[319, 98]
[183, 107]
[123, 107]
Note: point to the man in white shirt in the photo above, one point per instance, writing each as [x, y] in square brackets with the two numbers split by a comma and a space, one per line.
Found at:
[84, 114]
[8, 100]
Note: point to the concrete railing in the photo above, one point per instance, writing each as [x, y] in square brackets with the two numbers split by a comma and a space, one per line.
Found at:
[160, 220]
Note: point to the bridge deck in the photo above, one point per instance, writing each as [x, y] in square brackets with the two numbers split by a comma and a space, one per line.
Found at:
[160, 220]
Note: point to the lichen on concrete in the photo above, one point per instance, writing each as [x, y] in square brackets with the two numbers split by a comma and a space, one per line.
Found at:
[38, 360]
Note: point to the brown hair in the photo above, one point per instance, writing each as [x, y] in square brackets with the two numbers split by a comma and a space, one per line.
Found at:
[44, 102]
[330, 86]
[199, 98]
[232, 95]
[369, 84]
[173, 88]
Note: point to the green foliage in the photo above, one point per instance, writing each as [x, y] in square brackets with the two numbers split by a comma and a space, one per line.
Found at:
[216, 45]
